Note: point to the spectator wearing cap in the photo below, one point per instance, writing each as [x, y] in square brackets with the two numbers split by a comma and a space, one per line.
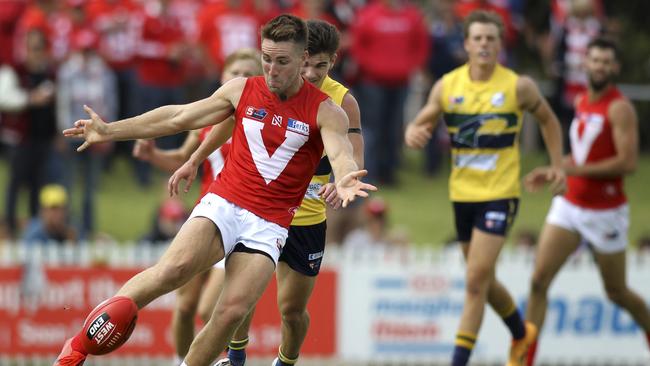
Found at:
[52, 224]
[84, 79]
[170, 216]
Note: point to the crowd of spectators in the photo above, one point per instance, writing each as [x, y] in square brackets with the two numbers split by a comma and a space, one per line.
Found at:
[124, 57]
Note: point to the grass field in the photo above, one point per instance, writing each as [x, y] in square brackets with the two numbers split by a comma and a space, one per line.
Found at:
[419, 205]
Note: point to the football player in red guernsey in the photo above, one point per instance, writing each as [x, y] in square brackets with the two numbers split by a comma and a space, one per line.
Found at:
[604, 148]
[282, 125]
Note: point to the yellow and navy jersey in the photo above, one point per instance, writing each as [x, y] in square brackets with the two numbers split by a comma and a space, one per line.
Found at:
[483, 120]
[312, 209]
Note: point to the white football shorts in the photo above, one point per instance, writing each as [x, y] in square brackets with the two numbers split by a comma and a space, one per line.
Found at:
[606, 230]
[238, 225]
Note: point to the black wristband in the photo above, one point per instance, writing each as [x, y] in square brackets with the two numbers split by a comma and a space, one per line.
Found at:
[354, 130]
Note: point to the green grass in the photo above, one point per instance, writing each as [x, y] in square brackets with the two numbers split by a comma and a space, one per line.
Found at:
[418, 205]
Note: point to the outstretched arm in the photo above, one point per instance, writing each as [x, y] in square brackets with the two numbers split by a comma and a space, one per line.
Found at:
[162, 121]
[333, 123]
[419, 131]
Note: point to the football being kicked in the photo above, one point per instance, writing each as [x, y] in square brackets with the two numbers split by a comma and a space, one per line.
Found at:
[109, 325]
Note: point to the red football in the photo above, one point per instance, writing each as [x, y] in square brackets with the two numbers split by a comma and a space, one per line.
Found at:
[109, 325]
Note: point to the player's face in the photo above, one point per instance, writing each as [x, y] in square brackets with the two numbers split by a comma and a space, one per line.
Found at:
[483, 44]
[601, 67]
[240, 68]
[317, 67]
[281, 63]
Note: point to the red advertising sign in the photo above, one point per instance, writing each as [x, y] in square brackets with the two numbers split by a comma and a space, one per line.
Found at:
[38, 323]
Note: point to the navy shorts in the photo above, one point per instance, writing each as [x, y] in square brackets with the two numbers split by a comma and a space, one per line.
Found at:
[304, 249]
[493, 217]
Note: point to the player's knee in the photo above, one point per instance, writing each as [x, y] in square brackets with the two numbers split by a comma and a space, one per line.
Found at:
[539, 284]
[295, 317]
[478, 281]
[231, 312]
[186, 307]
[173, 275]
[205, 313]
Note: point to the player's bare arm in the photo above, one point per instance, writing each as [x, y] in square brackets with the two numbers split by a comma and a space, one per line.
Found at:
[162, 121]
[624, 122]
[167, 160]
[189, 169]
[351, 108]
[419, 131]
[333, 124]
[531, 100]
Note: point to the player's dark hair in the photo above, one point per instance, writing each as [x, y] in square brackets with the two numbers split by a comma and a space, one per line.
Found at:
[483, 16]
[323, 38]
[606, 44]
[286, 28]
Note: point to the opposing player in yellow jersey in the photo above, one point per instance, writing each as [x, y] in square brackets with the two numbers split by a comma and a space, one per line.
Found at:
[482, 104]
[301, 257]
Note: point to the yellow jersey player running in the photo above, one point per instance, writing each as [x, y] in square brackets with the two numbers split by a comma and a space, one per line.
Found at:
[301, 257]
[482, 104]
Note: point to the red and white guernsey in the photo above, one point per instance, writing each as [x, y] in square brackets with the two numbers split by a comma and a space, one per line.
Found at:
[591, 141]
[214, 163]
[276, 147]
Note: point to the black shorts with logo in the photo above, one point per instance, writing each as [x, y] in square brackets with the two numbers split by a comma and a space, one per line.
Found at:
[493, 217]
[304, 248]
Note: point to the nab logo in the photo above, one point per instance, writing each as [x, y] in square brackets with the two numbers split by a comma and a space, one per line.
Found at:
[258, 114]
[277, 120]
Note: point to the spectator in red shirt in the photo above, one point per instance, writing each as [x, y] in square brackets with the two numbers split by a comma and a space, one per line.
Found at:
[160, 69]
[389, 43]
[225, 27]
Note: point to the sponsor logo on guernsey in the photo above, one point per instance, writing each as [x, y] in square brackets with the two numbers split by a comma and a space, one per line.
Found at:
[277, 120]
[498, 99]
[459, 99]
[298, 126]
[312, 191]
[258, 114]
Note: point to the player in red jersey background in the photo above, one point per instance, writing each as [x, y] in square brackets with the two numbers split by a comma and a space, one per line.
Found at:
[604, 144]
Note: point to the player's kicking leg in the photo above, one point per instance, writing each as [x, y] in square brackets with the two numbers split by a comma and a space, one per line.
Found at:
[195, 248]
